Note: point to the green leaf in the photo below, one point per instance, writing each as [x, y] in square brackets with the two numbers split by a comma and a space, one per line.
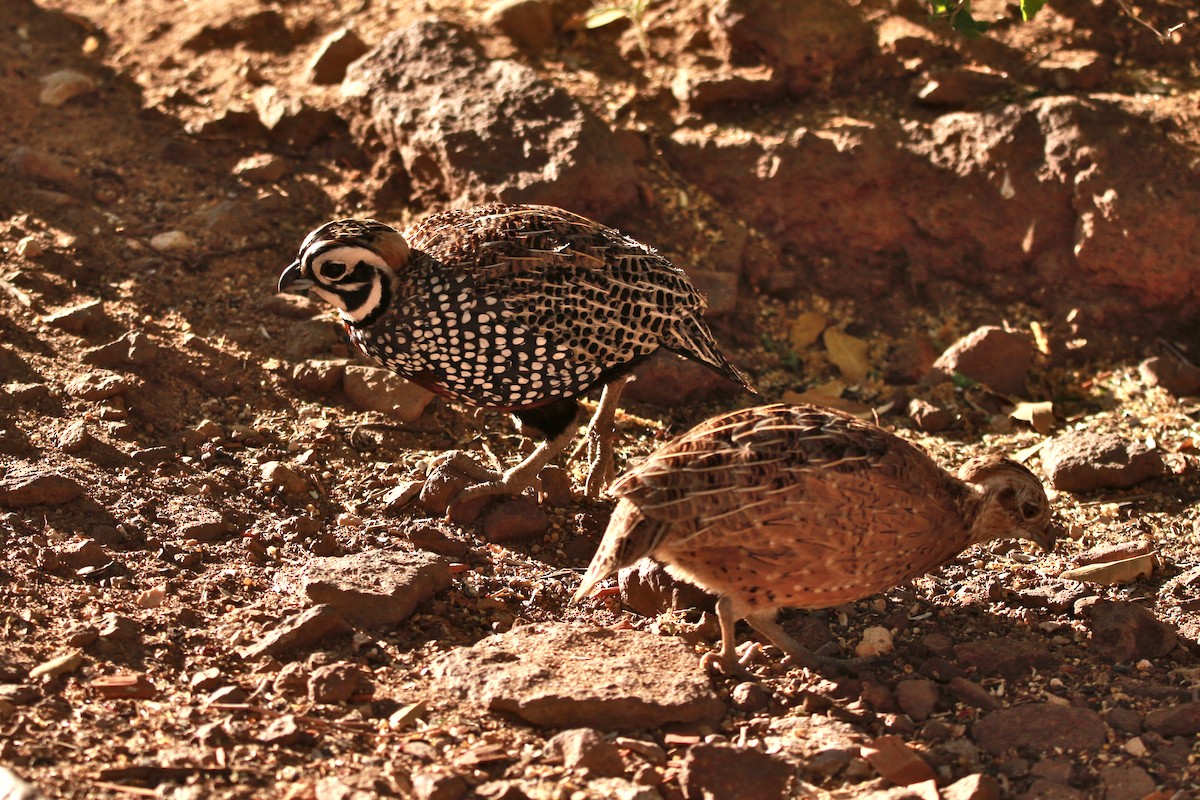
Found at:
[599, 17]
[1031, 7]
[967, 25]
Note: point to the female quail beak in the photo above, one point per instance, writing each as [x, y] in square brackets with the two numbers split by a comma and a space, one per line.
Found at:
[292, 281]
[1048, 536]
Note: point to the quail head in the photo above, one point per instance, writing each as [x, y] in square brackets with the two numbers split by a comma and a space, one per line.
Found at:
[800, 506]
[521, 308]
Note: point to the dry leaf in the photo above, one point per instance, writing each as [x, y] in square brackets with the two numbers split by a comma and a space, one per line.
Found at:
[1039, 415]
[848, 353]
[806, 329]
[1126, 570]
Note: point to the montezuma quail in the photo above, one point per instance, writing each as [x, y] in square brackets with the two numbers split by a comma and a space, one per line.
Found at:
[520, 308]
[800, 506]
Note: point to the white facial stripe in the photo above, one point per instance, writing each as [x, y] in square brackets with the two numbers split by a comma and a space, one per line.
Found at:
[373, 300]
[346, 254]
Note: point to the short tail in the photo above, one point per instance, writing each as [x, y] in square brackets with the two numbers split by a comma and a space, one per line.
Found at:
[625, 541]
[694, 340]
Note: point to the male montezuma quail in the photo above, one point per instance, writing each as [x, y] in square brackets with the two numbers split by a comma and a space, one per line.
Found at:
[800, 506]
[520, 308]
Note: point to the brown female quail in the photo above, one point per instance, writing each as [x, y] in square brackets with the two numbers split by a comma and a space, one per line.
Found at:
[806, 507]
[521, 308]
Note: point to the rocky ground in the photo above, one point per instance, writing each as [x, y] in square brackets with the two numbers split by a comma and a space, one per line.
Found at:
[211, 587]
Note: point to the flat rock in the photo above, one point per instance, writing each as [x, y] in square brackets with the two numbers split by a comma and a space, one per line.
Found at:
[98, 386]
[21, 488]
[725, 772]
[78, 319]
[1178, 720]
[647, 588]
[303, 629]
[467, 128]
[1082, 461]
[562, 675]
[1123, 631]
[134, 349]
[1010, 658]
[1039, 727]
[377, 389]
[319, 376]
[998, 358]
[371, 588]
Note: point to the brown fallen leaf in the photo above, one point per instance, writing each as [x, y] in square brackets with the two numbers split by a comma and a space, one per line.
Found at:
[1126, 570]
[1039, 415]
[848, 353]
[806, 329]
[59, 665]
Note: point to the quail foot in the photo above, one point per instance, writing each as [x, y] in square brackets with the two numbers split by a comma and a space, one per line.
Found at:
[521, 308]
[805, 507]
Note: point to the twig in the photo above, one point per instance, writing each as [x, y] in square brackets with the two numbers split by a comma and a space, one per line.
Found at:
[1162, 37]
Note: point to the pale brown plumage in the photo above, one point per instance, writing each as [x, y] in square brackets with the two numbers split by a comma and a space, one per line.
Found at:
[806, 507]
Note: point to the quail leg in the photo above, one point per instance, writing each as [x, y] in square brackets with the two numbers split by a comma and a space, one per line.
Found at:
[515, 479]
[600, 433]
[725, 660]
[798, 655]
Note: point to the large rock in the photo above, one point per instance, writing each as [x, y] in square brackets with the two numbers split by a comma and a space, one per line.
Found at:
[1083, 461]
[852, 198]
[1127, 632]
[565, 676]
[469, 129]
[808, 42]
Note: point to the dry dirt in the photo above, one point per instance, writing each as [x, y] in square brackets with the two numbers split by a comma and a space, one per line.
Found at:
[129, 577]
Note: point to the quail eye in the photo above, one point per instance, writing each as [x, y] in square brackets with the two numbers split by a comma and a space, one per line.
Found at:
[333, 270]
[1030, 510]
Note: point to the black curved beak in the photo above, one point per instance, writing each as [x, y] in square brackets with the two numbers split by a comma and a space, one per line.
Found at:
[292, 281]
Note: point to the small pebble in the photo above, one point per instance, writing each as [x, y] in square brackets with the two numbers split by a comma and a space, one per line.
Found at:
[173, 242]
[59, 87]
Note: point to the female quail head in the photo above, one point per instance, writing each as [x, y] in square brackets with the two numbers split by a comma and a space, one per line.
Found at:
[806, 507]
[515, 307]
